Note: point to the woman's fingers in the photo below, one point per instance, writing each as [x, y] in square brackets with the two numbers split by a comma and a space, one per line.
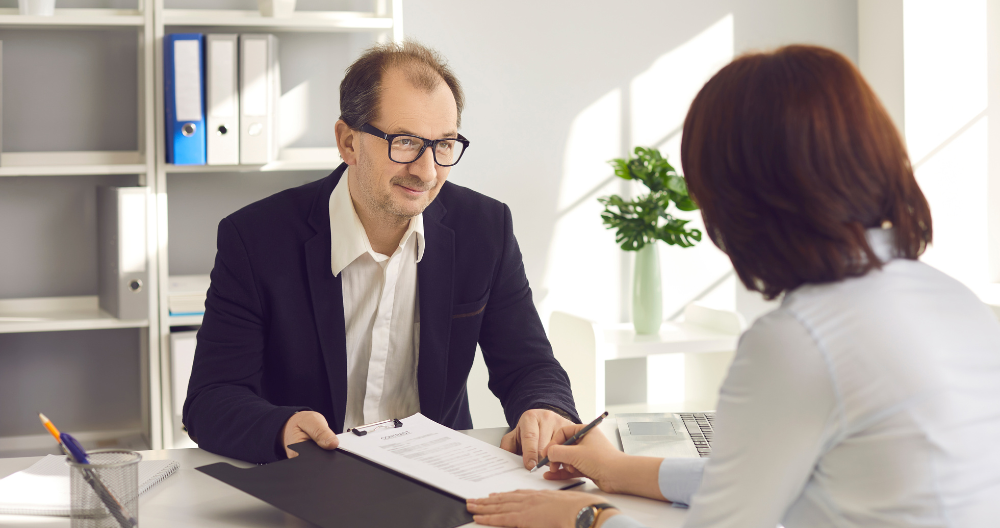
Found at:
[497, 519]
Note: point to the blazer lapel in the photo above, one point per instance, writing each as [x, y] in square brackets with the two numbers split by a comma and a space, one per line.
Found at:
[435, 282]
[328, 299]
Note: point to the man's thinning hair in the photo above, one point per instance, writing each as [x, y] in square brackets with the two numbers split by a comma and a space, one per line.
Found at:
[361, 89]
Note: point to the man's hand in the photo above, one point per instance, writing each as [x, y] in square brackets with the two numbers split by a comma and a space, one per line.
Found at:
[534, 431]
[308, 425]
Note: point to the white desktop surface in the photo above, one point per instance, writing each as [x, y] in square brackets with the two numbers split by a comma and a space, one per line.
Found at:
[192, 499]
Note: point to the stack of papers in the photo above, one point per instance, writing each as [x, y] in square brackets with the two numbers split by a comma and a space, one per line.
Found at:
[43, 488]
[448, 460]
[186, 294]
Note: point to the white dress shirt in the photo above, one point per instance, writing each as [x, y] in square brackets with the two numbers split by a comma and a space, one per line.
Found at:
[381, 315]
[870, 402]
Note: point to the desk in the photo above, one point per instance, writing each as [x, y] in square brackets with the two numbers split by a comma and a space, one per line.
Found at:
[191, 499]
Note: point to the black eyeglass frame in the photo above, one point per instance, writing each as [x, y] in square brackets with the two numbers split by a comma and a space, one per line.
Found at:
[369, 129]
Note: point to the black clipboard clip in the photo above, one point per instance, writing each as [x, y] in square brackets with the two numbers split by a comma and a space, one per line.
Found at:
[362, 430]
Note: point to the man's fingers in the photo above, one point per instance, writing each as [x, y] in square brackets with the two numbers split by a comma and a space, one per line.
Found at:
[509, 442]
[529, 441]
[545, 432]
[327, 440]
[316, 427]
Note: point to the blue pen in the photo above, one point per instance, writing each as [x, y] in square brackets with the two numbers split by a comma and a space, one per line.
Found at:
[75, 449]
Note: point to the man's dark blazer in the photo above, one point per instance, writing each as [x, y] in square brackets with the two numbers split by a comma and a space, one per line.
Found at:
[273, 340]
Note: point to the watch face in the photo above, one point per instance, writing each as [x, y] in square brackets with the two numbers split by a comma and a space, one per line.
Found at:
[585, 519]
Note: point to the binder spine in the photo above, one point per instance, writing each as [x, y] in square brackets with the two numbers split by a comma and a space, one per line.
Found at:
[123, 276]
[184, 98]
[222, 98]
[260, 91]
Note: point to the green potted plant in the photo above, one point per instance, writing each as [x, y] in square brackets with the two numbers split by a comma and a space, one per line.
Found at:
[644, 220]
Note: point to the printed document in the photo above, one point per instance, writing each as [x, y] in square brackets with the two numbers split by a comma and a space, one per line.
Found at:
[447, 459]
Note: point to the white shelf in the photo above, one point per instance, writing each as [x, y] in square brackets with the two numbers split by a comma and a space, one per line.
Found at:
[68, 18]
[52, 314]
[185, 320]
[299, 21]
[71, 163]
[292, 159]
[42, 444]
[620, 341]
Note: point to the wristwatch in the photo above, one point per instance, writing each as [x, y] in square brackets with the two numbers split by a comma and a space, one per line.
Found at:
[588, 515]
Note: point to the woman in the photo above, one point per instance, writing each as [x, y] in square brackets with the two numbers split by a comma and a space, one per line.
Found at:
[871, 396]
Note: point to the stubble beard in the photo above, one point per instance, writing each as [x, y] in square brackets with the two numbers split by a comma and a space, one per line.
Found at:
[380, 200]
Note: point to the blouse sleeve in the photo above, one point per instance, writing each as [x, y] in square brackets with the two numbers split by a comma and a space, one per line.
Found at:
[776, 415]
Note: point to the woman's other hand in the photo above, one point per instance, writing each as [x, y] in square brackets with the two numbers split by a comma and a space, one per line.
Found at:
[532, 508]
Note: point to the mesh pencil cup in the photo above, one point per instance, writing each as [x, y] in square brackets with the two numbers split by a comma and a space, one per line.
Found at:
[111, 478]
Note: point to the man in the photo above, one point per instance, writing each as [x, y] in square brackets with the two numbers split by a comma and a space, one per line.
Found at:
[361, 297]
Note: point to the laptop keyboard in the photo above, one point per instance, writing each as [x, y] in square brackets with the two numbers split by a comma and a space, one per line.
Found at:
[699, 426]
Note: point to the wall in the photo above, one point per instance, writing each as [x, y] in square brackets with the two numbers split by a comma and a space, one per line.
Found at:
[939, 68]
[554, 89]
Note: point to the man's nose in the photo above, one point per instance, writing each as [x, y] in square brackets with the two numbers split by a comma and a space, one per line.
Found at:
[424, 167]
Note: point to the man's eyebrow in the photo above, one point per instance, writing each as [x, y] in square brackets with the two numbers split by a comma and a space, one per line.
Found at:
[448, 135]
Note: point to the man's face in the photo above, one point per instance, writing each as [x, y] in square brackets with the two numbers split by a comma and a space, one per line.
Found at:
[391, 189]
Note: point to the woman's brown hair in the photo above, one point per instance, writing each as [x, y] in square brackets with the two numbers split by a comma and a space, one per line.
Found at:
[791, 156]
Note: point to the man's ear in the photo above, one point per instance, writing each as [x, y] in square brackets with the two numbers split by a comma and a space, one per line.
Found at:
[347, 142]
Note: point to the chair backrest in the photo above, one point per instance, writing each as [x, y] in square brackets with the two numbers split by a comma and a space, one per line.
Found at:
[574, 342]
[725, 321]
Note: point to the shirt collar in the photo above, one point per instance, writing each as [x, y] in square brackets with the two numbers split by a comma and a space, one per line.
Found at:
[882, 241]
[348, 239]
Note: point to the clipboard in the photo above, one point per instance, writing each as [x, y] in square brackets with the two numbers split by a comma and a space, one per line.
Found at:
[337, 488]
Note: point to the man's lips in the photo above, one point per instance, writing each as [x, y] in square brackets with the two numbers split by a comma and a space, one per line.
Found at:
[411, 190]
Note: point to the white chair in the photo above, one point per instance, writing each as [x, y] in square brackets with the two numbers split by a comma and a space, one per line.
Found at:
[707, 337]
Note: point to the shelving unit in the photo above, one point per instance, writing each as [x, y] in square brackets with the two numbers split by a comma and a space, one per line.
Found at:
[71, 163]
[312, 21]
[53, 314]
[291, 159]
[385, 22]
[75, 18]
[81, 313]
[43, 314]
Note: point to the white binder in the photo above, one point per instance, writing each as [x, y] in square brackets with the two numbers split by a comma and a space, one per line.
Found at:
[222, 92]
[182, 347]
[260, 90]
[1, 99]
[121, 255]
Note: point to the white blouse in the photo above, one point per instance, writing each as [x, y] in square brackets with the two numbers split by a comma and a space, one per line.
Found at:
[870, 402]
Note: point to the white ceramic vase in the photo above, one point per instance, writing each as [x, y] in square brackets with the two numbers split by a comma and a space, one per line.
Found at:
[276, 8]
[37, 7]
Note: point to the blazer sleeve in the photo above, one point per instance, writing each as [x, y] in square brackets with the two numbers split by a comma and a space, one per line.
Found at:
[224, 411]
[524, 373]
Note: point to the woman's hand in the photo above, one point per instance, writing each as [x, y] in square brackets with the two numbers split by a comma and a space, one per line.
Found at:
[593, 456]
[530, 509]
[596, 458]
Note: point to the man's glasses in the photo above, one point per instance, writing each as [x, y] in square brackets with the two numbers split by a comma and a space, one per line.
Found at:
[407, 148]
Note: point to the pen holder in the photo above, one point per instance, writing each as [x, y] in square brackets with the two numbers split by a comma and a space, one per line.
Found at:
[117, 471]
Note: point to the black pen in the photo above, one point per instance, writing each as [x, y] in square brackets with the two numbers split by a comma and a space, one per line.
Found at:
[575, 438]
